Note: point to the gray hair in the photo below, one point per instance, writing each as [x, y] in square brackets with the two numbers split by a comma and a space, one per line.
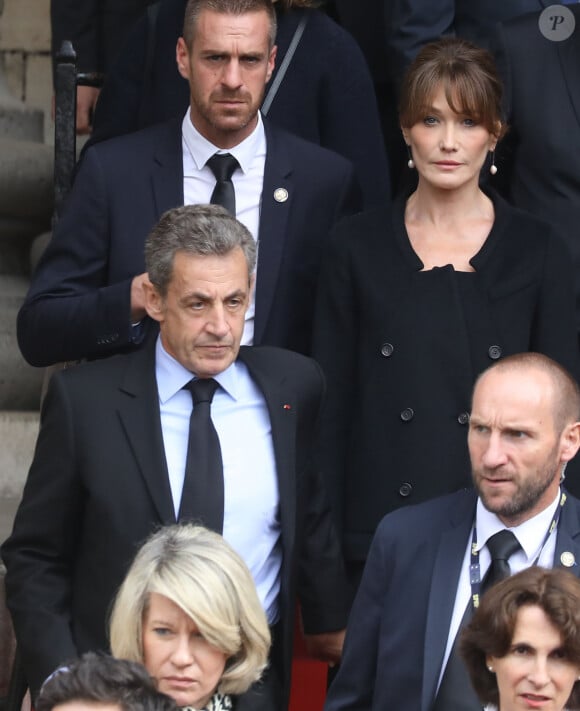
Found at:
[201, 230]
[194, 8]
[200, 573]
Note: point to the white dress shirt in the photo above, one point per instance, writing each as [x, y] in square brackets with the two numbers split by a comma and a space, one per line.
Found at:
[251, 497]
[530, 535]
[248, 181]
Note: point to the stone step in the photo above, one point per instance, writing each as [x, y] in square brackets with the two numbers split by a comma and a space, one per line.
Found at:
[18, 432]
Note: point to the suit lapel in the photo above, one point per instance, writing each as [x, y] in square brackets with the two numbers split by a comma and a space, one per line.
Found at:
[167, 169]
[446, 570]
[569, 56]
[567, 553]
[141, 422]
[277, 199]
[282, 411]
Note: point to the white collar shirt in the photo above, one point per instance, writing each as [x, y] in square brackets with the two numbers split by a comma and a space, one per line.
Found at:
[248, 181]
[251, 496]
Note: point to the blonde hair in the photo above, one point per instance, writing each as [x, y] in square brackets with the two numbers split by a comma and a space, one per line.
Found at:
[200, 573]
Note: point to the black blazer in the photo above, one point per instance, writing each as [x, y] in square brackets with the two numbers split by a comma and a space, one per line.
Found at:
[78, 305]
[542, 151]
[399, 624]
[98, 486]
[401, 349]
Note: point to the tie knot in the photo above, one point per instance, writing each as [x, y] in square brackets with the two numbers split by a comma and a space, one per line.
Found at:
[502, 545]
[201, 389]
[222, 165]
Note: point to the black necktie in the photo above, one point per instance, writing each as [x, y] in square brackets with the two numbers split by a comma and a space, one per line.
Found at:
[222, 166]
[455, 691]
[202, 498]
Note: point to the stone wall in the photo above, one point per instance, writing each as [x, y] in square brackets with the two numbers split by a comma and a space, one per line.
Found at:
[25, 54]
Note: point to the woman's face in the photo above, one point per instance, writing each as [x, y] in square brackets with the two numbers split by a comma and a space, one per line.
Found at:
[185, 666]
[448, 149]
[535, 673]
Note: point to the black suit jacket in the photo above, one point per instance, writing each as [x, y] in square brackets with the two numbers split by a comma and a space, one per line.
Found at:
[542, 153]
[98, 486]
[414, 23]
[399, 623]
[78, 305]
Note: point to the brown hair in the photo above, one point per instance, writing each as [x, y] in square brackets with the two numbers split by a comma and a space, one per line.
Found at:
[287, 4]
[490, 632]
[194, 8]
[466, 73]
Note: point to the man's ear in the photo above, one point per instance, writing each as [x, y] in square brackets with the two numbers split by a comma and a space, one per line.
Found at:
[271, 62]
[154, 302]
[569, 441]
[182, 58]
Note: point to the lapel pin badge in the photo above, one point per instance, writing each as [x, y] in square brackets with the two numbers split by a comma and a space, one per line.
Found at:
[287, 407]
[280, 195]
[567, 559]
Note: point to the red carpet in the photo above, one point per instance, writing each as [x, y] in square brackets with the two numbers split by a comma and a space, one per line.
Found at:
[308, 678]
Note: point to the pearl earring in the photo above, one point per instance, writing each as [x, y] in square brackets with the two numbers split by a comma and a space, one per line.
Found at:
[493, 166]
[410, 162]
[490, 668]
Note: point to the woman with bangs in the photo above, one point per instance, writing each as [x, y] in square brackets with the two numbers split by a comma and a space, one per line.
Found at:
[415, 300]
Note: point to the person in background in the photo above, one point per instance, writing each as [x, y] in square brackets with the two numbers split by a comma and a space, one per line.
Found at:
[98, 30]
[326, 95]
[415, 301]
[522, 647]
[189, 611]
[539, 162]
[97, 682]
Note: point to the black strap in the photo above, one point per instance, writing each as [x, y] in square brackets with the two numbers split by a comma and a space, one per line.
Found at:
[275, 85]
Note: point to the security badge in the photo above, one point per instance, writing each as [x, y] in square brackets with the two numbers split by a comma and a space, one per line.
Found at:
[567, 559]
[280, 195]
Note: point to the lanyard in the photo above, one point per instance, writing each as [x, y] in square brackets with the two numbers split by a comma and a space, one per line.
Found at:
[474, 569]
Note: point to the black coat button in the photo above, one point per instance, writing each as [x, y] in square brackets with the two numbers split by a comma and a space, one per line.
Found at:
[405, 489]
[407, 414]
[494, 352]
[463, 418]
[387, 350]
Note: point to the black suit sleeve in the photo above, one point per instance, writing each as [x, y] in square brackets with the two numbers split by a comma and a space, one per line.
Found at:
[71, 312]
[335, 338]
[39, 555]
[79, 22]
[322, 586]
[353, 687]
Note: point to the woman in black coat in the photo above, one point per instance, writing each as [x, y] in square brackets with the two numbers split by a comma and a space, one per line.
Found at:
[416, 300]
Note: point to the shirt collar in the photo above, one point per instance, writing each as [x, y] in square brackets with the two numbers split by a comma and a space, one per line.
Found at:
[172, 376]
[530, 533]
[201, 150]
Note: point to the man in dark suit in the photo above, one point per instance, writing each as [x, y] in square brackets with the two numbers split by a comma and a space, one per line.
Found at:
[413, 23]
[111, 462]
[86, 295]
[428, 562]
[539, 162]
